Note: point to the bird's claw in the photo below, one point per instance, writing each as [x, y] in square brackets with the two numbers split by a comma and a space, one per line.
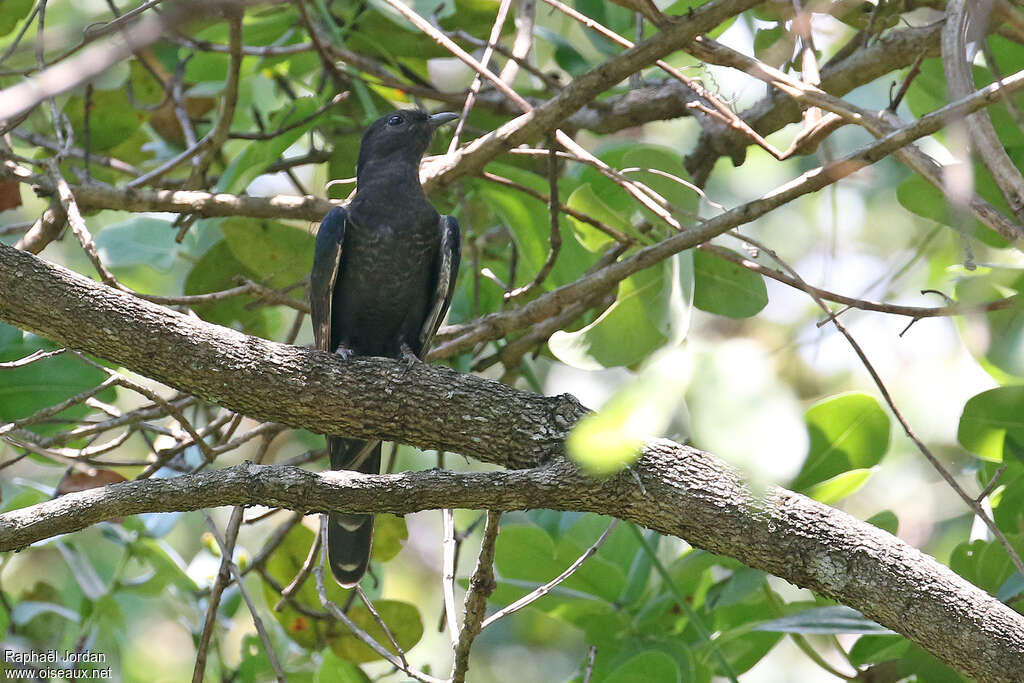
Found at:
[410, 358]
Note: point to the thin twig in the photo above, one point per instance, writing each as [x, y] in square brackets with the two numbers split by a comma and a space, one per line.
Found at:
[448, 572]
[31, 358]
[555, 234]
[339, 614]
[303, 574]
[213, 602]
[227, 549]
[543, 590]
[380, 622]
[973, 504]
[485, 59]
[481, 585]
[77, 222]
[269, 135]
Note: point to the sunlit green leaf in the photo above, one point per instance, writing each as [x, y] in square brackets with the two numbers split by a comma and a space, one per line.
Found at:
[259, 154]
[726, 288]
[389, 535]
[280, 254]
[645, 667]
[27, 389]
[14, 12]
[334, 669]
[885, 520]
[871, 649]
[989, 419]
[840, 486]
[140, 240]
[986, 564]
[216, 271]
[606, 441]
[652, 310]
[283, 566]
[849, 431]
[402, 619]
[586, 201]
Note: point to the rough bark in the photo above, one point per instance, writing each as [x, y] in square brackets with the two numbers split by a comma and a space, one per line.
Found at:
[673, 489]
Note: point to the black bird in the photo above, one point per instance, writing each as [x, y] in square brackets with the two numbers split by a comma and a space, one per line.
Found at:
[383, 275]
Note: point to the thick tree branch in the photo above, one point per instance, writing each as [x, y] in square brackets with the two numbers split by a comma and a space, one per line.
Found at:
[672, 489]
[677, 490]
[295, 386]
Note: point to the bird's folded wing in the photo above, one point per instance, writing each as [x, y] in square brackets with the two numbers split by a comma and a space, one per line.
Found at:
[447, 270]
[326, 263]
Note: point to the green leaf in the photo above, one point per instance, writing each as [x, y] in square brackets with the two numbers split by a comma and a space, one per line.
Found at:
[920, 197]
[81, 568]
[529, 221]
[526, 557]
[824, 620]
[334, 669]
[725, 288]
[840, 486]
[991, 418]
[23, 499]
[744, 583]
[645, 667]
[29, 388]
[885, 520]
[680, 8]
[254, 665]
[402, 619]
[874, 649]
[140, 240]
[651, 310]
[525, 552]
[849, 431]
[14, 12]
[281, 254]
[118, 120]
[389, 535]
[258, 155]
[605, 442]
[927, 91]
[774, 46]
[922, 666]
[215, 271]
[283, 565]
[1011, 589]
[166, 566]
[566, 55]
[998, 351]
[672, 181]
[985, 563]
[586, 201]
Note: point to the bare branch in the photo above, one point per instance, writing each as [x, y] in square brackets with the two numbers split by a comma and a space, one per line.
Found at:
[481, 585]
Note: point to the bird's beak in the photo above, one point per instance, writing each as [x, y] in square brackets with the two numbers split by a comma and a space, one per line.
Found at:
[438, 120]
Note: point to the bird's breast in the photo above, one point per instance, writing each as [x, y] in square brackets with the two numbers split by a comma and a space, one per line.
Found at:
[385, 281]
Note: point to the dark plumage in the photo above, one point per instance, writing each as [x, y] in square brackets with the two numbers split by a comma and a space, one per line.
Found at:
[383, 276]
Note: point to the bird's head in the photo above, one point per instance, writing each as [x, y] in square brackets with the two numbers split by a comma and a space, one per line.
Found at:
[400, 137]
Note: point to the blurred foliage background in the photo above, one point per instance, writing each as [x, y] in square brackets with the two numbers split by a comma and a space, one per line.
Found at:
[715, 346]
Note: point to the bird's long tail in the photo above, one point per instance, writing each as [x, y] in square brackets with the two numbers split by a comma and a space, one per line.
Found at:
[349, 536]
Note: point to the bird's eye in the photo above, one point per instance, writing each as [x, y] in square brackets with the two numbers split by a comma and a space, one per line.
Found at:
[395, 120]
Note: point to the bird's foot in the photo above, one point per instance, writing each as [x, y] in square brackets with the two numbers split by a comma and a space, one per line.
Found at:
[344, 352]
[410, 358]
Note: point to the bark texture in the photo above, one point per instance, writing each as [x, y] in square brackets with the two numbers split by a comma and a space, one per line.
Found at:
[672, 489]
